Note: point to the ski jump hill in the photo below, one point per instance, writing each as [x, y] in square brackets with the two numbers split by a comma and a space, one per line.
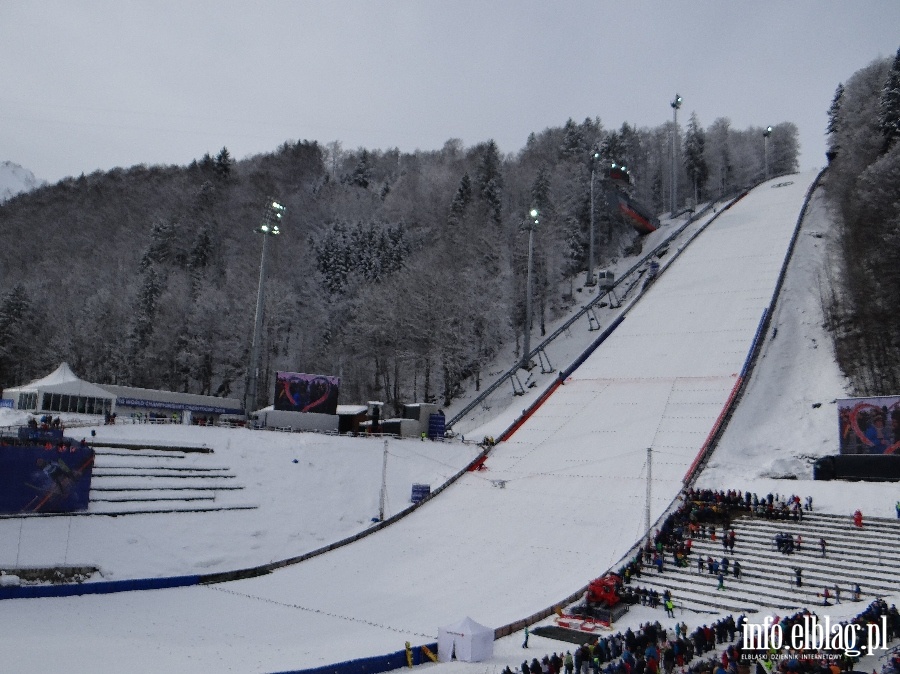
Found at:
[559, 501]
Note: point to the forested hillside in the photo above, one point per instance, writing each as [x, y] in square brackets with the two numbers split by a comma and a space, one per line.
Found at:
[401, 273]
[862, 293]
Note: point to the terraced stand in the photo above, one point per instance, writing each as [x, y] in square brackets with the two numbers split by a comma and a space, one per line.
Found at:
[127, 482]
[868, 556]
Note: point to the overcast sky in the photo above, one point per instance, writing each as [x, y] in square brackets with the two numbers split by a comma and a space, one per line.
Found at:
[92, 84]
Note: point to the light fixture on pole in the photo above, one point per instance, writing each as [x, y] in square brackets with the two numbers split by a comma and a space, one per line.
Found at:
[531, 223]
[589, 281]
[269, 227]
[766, 134]
[676, 104]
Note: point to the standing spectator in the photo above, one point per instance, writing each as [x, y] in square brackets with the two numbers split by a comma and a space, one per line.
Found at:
[721, 578]
[525, 643]
[822, 545]
[737, 569]
[809, 503]
[798, 574]
[858, 519]
[569, 662]
[837, 594]
[897, 506]
[857, 592]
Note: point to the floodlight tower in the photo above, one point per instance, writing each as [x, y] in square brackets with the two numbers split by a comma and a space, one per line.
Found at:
[531, 223]
[766, 134]
[269, 227]
[676, 104]
[589, 281]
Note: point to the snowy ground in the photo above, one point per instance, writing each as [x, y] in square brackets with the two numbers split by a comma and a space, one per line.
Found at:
[570, 505]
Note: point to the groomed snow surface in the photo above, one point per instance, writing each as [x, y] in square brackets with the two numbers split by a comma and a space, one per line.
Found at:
[558, 504]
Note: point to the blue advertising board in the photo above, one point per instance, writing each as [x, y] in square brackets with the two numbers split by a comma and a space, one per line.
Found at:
[420, 492]
[50, 477]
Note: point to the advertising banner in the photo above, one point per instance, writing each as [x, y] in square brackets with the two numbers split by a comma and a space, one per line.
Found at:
[53, 477]
[295, 392]
[869, 425]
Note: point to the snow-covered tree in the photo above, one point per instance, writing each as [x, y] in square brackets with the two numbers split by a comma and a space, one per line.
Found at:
[890, 106]
[694, 158]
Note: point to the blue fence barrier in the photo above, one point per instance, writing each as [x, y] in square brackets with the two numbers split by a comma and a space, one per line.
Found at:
[373, 665]
[105, 587]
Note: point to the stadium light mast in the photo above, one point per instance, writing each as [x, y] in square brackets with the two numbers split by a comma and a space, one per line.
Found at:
[676, 104]
[589, 281]
[766, 134]
[531, 223]
[269, 227]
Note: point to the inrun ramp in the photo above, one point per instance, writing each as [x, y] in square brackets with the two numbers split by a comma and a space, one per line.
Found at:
[560, 501]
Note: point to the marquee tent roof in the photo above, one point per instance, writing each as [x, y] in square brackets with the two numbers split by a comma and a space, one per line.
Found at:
[63, 380]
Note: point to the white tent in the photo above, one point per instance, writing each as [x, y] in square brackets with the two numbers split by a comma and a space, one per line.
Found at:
[466, 640]
[61, 391]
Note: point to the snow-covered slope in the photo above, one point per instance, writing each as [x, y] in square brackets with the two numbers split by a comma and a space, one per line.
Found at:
[557, 504]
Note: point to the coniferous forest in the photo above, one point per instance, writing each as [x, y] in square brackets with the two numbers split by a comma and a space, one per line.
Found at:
[401, 273]
[861, 294]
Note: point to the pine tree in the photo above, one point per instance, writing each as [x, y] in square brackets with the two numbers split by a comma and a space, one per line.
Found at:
[489, 181]
[573, 141]
[461, 201]
[834, 111]
[145, 310]
[163, 235]
[223, 165]
[362, 174]
[694, 159]
[17, 327]
[890, 106]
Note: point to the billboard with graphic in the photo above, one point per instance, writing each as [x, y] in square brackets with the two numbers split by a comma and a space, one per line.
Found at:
[44, 475]
[296, 392]
[869, 425]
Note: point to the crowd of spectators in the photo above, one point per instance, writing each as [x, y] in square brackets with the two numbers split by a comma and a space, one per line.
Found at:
[654, 649]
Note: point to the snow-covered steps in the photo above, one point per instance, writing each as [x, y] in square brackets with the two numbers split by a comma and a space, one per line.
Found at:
[866, 556]
[155, 481]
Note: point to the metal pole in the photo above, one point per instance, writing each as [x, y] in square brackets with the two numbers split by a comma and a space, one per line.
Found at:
[381, 505]
[269, 227]
[589, 281]
[675, 105]
[649, 483]
[526, 348]
[252, 386]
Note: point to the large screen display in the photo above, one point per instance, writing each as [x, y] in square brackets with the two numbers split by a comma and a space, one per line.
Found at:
[869, 425]
[296, 392]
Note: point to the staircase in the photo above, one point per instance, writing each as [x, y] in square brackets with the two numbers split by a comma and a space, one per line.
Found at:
[869, 556]
[129, 482]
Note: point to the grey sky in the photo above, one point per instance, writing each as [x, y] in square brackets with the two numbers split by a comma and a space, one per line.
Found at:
[93, 84]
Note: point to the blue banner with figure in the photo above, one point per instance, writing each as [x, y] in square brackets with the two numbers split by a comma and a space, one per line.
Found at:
[49, 477]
